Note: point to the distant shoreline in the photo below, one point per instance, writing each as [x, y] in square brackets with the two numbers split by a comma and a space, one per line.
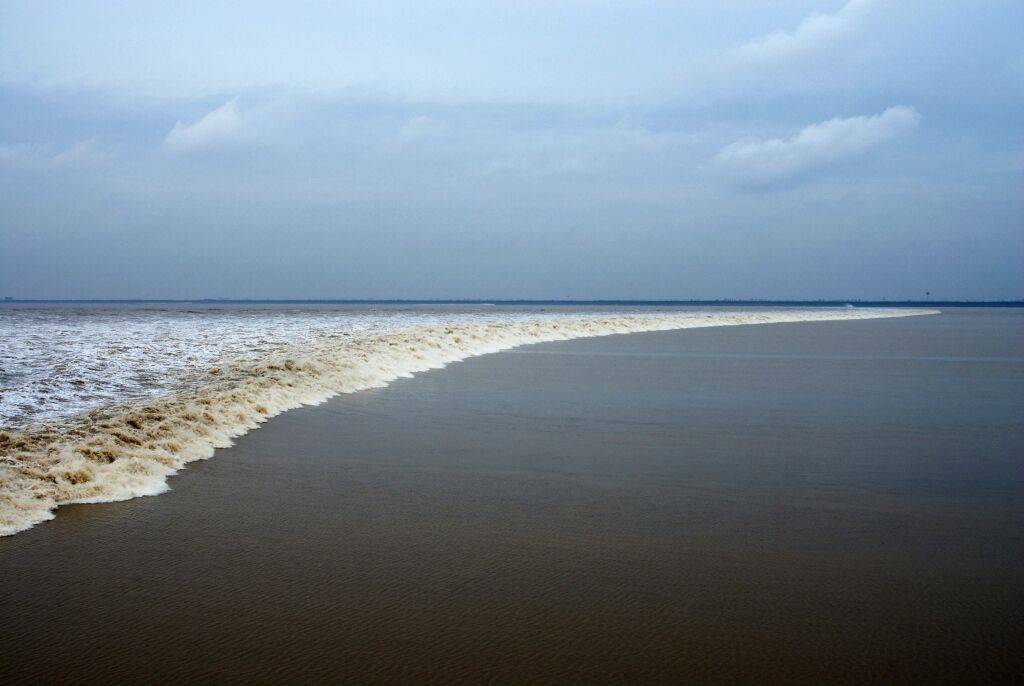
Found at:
[631, 303]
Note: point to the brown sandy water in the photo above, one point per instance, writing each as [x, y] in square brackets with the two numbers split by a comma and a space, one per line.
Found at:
[818, 503]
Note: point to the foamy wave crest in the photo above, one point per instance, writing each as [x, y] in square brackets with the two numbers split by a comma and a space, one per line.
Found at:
[124, 451]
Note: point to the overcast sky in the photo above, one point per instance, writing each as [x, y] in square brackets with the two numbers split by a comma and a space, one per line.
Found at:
[527, 149]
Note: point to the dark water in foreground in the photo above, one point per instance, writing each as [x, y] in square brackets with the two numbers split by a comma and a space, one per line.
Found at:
[819, 503]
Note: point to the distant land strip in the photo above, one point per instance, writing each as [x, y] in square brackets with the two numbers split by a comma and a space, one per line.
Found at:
[498, 301]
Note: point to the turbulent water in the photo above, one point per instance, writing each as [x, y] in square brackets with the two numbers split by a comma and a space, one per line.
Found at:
[98, 405]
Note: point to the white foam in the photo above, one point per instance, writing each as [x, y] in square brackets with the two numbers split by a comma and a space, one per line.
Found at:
[129, 448]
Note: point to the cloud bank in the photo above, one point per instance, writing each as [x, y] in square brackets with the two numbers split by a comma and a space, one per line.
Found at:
[508, 149]
[764, 162]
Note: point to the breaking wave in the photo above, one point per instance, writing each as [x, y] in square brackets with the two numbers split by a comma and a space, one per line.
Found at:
[128, 450]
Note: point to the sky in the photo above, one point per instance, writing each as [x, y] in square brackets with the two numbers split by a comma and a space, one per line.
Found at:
[586, 150]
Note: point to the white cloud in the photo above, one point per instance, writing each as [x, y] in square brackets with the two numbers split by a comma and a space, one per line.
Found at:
[816, 32]
[419, 127]
[535, 167]
[758, 161]
[83, 153]
[222, 126]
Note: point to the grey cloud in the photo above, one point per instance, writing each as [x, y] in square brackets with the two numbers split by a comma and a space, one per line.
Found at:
[507, 153]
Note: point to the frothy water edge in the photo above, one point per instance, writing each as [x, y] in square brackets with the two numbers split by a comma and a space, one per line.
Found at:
[126, 451]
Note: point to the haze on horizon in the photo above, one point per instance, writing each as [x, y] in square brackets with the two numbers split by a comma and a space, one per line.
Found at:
[657, 150]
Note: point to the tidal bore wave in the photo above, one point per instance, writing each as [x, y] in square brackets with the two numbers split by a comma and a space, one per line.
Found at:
[128, 450]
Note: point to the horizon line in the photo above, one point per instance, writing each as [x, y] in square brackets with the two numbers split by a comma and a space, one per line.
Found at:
[526, 301]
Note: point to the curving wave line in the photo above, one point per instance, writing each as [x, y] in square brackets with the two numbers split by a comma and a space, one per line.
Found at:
[125, 451]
